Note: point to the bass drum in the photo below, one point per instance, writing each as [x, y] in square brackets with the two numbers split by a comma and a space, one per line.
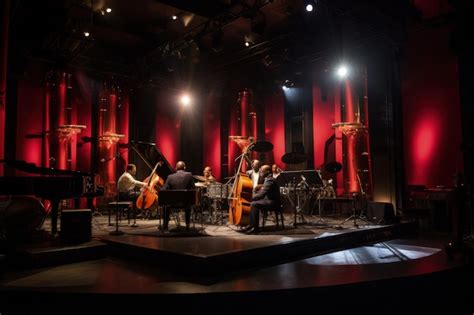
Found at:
[21, 216]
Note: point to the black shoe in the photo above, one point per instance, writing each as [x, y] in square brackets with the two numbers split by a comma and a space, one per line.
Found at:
[252, 230]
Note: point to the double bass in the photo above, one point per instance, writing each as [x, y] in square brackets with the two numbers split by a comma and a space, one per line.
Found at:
[149, 195]
[239, 202]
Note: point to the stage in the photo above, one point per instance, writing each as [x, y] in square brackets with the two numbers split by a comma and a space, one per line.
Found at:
[302, 268]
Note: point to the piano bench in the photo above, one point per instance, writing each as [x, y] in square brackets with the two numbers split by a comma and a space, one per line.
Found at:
[119, 207]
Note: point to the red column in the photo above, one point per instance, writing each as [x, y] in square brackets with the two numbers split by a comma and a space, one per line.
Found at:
[4, 16]
[351, 141]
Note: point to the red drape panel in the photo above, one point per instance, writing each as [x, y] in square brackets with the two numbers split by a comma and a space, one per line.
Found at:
[323, 118]
[29, 121]
[4, 26]
[431, 109]
[167, 132]
[212, 135]
[82, 109]
[275, 126]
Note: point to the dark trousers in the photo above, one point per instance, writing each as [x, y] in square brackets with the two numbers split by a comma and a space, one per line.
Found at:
[166, 214]
[255, 213]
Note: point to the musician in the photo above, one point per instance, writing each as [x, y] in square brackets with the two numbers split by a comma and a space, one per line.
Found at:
[128, 186]
[254, 174]
[179, 180]
[275, 171]
[207, 174]
[268, 197]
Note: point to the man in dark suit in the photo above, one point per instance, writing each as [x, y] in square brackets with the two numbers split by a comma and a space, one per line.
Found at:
[177, 181]
[268, 197]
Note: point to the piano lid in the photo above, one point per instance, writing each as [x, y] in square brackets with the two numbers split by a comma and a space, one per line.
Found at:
[152, 155]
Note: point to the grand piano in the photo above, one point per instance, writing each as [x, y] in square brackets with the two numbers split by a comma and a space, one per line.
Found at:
[51, 184]
[150, 155]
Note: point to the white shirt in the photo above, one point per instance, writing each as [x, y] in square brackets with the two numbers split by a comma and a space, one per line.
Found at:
[126, 182]
[255, 177]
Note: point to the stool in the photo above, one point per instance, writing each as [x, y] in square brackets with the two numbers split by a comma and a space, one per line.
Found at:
[119, 207]
[278, 216]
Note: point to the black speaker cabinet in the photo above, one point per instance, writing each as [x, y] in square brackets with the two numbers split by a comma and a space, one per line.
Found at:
[380, 212]
[76, 226]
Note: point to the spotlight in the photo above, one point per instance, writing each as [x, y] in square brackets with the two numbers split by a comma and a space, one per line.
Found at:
[174, 17]
[342, 71]
[310, 5]
[86, 34]
[108, 10]
[247, 43]
[185, 100]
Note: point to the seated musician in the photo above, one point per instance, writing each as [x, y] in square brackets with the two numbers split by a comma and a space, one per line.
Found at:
[275, 171]
[207, 174]
[179, 180]
[268, 197]
[128, 186]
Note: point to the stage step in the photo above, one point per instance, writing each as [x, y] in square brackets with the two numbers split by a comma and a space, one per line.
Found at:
[217, 254]
[51, 254]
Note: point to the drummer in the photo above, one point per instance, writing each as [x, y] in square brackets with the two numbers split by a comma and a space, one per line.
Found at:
[207, 174]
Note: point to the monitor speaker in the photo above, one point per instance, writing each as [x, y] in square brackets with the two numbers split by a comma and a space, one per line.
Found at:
[76, 226]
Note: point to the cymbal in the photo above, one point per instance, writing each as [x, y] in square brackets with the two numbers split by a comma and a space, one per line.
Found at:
[200, 178]
[294, 158]
[200, 184]
[262, 146]
[333, 167]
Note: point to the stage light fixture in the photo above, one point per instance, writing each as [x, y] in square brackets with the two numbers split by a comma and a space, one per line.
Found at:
[342, 71]
[174, 17]
[309, 5]
[86, 34]
[185, 100]
[108, 10]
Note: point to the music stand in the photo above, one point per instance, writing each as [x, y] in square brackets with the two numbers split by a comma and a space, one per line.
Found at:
[298, 178]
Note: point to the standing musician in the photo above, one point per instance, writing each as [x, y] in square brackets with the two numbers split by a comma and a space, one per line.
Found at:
[127, 184]
[254, 175]
[268, 197]
[179, 180]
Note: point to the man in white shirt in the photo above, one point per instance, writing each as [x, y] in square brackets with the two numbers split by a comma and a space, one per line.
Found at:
[127, 184]
[254, 174]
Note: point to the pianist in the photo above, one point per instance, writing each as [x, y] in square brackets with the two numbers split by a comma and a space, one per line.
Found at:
[128, 186]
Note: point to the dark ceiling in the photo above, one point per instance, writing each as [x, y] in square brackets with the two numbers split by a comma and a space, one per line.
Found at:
[140, 39]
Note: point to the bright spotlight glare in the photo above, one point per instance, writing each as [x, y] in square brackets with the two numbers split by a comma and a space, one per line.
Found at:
[342, 71]
[174, 17]
[108, 10]
[284, 87]
[185, 100]
[247, 43]
[86, 34]
[309, 7]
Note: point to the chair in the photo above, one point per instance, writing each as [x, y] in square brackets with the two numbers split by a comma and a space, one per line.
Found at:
[176, 200]
[278, 210]
[119, 207]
